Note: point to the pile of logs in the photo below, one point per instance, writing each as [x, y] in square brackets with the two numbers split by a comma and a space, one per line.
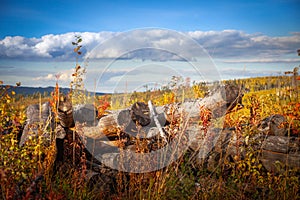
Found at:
[144, 128]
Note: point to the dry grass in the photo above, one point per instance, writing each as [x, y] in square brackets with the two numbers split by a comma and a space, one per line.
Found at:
[28, 173]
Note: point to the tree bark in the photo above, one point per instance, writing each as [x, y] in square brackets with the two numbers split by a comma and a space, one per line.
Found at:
[137, 121]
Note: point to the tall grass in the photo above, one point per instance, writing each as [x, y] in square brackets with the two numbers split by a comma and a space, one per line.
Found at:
[30, 172]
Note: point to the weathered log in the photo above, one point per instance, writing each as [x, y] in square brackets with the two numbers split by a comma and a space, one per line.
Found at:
[275, 152]
[285, 150]
[212, 146]
[277, 162]
[156, 121]
[274, 125]
[65, 112]
[140, 113]
[219, 102]
[85, 114]
[281, 144]
[121, 121]
[40, 122]
[128, 120]
[38, 117]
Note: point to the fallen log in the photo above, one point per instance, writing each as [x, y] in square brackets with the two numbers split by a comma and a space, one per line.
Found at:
[280, 149]
[121, 121]
[38, 118]
[121, 129]
[145, 122]
[274, 125]
[276, 153]
[139, 120]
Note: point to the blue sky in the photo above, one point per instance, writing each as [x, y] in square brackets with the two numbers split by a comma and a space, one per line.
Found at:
[37, 18]
[258, 37]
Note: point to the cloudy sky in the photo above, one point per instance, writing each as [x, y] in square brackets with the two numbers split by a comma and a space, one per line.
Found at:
[204, 40]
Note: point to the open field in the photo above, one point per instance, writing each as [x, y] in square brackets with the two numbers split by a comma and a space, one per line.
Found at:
[31, 172]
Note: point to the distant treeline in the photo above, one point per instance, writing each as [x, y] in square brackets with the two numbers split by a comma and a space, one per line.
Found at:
[263, 83]
[36, 91]
[200, 88]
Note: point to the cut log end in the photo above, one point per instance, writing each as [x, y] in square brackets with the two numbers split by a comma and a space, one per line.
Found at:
[140, 113]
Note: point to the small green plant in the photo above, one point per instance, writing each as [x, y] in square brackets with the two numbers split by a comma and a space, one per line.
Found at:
[78, 91]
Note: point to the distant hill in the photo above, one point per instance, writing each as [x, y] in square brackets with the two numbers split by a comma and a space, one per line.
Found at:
[33, 90]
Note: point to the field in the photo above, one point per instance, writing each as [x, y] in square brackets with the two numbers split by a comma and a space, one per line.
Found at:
[30, 172]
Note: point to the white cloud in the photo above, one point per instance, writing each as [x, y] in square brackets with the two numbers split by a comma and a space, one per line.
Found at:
[263, 60]
[64, 76]
[151, 44]
[48, 46]
[233, 43]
